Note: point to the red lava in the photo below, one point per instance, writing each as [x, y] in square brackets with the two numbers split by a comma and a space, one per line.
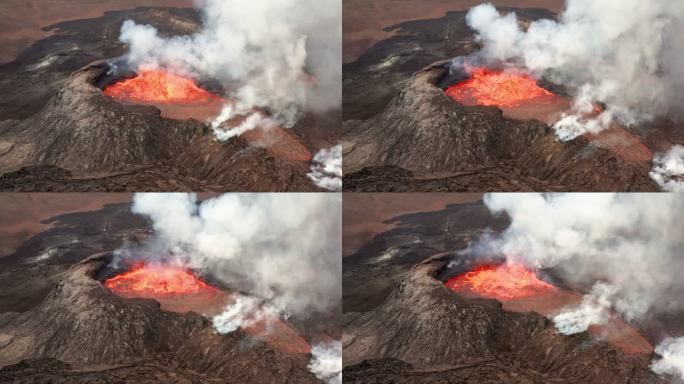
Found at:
[501, 282]
[519, 289]
[178, 290]
[179, 98]
[498, 88]
[519, 97]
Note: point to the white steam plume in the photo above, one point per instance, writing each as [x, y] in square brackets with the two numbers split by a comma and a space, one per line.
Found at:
[244, 312]
[326, 362]
[668, 169]
[671, 362]
[594, 309]
[627, 246]
[624, 53]
[282, 248]
[284, 55]
[326, 168]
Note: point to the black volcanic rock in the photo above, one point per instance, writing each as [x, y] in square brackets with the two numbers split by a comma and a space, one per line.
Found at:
[425, 333]
[89, 332]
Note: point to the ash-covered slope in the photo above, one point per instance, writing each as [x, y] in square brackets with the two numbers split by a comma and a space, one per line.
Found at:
[59, 132]
[429, 333]
[91, 329]
[423, 140]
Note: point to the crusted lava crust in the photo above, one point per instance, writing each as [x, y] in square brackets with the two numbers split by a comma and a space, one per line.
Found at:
[402, 133]
[402, 325]
[59, 132]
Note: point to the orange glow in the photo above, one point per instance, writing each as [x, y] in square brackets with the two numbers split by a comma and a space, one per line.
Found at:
[158, 87]
[501, 282]
[497, 88]
[154, 281]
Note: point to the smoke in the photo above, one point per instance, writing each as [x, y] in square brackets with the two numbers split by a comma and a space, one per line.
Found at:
[624, 53]
[326, 362]
[283, 249]
[326, 168]
[280, 55]
[668, 169]
[671, 362]
[625, 249]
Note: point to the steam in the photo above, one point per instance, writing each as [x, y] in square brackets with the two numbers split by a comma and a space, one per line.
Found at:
[326, 169]
[624, 53]
[252, 121]
[244, 312]
[326, 362]
[593, 310]
[625, 249]
[281, 249]
[668, 169]
[671, 362]
[281, 55]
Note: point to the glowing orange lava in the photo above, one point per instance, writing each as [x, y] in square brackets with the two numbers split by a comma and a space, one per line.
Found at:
[497, 88]
[159, 87]
[154, 281]
[502, 282]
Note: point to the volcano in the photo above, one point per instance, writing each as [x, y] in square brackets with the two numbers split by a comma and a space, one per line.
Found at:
[69, 311]
[417, 120]
[75, 117]
[420, 308]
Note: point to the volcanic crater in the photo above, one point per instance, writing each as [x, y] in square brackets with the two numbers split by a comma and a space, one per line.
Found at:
[77, 119]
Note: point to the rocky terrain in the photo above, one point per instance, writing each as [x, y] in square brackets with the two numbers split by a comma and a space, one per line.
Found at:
[59, 324]
[403, 325]
[59, 132]
[402, 133]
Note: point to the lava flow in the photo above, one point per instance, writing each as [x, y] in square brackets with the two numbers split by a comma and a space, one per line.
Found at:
[497, 88]
[501, 282]
[175, 288]
[158, 87]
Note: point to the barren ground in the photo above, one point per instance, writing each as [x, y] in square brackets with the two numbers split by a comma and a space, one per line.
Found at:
[364, 20]
[21, 20]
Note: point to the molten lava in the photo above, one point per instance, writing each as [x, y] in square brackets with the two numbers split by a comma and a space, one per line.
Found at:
[159, 87]
[502, 282]
[497, 88]
[154, 281]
